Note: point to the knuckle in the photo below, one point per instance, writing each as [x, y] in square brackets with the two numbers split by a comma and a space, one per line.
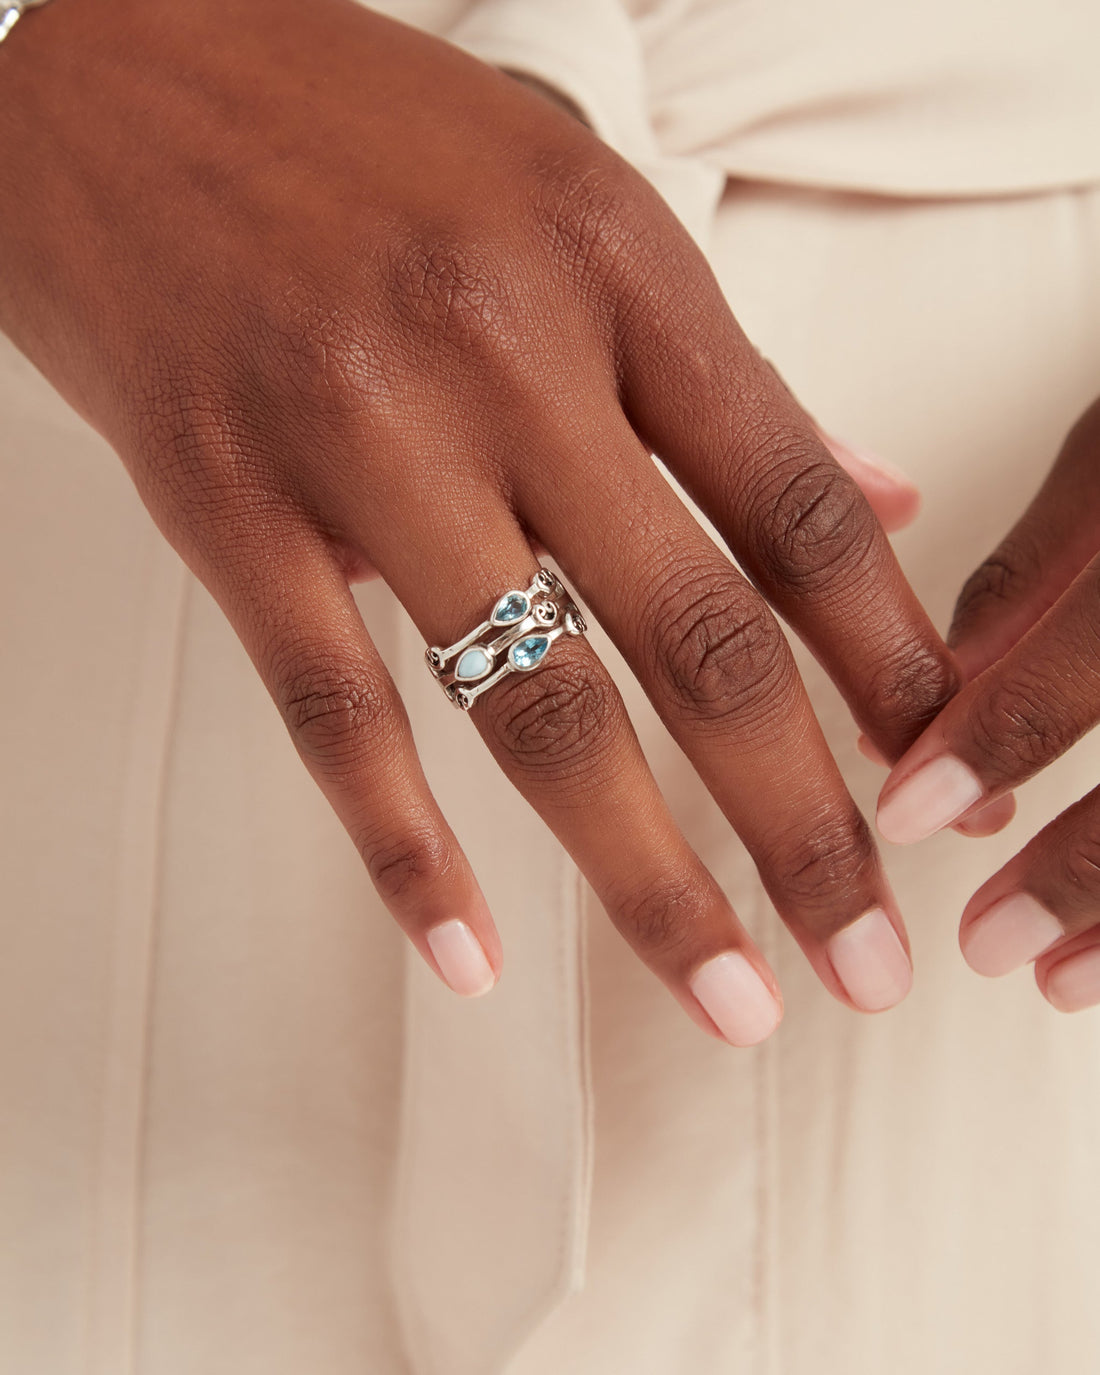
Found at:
[1018, 726]
[317, 355]
[1001, 580]
[588, 214]
[720, 649]
[909, 687]
[1080, 869]
[445, 291]
[834, 855]
[180, 422]
[336, 716]
[402, 865]
[663, 916]
[199, 466]
[812, 527]
[553, 722]
[305, 349]
[210, 423]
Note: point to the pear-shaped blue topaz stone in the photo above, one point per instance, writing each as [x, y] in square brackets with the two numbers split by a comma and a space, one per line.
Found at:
[473, 664]
[513, 606]
[527, 652]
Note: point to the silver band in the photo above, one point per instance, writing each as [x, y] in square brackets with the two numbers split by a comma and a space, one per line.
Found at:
[11, 11]
[514, 638]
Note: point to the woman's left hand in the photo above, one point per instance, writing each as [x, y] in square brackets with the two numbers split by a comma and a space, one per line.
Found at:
[1027, 632]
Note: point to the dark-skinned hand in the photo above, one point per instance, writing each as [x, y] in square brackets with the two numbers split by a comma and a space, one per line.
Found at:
[1027, 634]
[346, 300]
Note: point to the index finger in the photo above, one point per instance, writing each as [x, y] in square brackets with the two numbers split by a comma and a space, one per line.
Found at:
[1018, 716]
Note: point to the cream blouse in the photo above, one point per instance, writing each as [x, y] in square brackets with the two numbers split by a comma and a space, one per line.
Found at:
[986, 97]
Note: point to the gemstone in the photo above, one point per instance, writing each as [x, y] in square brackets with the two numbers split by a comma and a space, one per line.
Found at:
[473, 664]
[526, 653]
[513, 606]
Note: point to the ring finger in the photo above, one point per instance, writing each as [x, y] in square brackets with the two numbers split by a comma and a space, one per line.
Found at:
[562, 734]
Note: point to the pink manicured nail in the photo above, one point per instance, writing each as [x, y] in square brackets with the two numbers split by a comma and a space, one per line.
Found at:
[871, 751]
[1009, 934]
[842, 450]
[870, 961]
[461, 959]
[928, 800]
[990, 819]
[1075, 982]
[736, 998]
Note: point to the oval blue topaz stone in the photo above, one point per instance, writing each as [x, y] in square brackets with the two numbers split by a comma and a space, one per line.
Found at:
[527, 652]
[513, 606]
[475, 663]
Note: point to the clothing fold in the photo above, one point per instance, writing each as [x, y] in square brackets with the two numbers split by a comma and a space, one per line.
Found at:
[494, 1151]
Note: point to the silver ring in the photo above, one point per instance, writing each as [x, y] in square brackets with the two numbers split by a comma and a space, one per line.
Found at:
[514, 638]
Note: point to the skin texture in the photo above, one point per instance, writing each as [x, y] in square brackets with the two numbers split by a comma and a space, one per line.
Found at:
[1027, 633]
[346, 302]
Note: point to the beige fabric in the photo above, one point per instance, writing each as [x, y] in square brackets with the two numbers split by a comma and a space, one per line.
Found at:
[936, 98]
[242, 1131]
[940, 98]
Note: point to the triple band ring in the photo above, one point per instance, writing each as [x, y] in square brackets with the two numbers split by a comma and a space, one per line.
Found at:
[514, 638]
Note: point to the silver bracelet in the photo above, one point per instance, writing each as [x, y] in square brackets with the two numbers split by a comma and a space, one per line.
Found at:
[11, 11]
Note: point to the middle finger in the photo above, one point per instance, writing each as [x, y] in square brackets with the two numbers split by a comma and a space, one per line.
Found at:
[562, 735]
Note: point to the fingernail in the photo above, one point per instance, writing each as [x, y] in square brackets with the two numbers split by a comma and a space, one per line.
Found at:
[990, 819]
[736, 999]
[841, 449]
[928, 800]
[871, 751]
[1075, 983]
[461, 959]
[870, 961]
[1009, 934]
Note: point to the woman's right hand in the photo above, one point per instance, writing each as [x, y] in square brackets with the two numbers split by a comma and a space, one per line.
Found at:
[345, 299]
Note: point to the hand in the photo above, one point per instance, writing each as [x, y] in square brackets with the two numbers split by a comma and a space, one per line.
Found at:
[1027, 632]
[344, 300]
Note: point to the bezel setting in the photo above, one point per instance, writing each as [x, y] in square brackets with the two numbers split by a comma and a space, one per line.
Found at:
[527, 622]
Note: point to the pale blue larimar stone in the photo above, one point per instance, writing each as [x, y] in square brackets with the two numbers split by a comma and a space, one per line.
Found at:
[526, 653]
[473, 664]
[513, 606]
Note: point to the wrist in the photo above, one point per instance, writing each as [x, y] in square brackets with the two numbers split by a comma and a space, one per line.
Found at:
[74, 76]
